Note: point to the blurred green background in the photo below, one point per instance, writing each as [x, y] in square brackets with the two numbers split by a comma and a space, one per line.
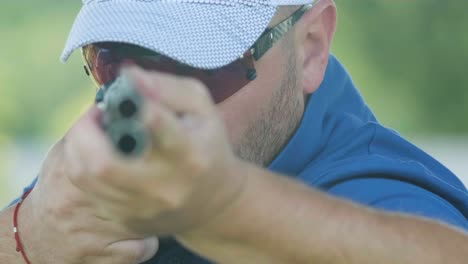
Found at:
[409, 58]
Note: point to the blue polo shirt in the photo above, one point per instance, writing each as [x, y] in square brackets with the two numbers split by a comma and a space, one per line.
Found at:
[340, 148]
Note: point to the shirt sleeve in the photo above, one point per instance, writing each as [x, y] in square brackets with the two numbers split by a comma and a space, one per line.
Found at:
[24, 190]
[397, 196]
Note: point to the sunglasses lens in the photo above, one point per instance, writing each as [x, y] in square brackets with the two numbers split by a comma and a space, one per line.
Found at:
[104, 61]
[102, 64]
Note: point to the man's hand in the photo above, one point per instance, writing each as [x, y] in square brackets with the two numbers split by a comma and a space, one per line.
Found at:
[92, 205]
[59, 223]
[185, 177]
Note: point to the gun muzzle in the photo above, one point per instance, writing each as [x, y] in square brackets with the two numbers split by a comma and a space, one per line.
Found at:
[121, 106]
[128, 136]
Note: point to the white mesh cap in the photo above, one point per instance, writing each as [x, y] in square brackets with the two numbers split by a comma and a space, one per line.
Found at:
[201, 33]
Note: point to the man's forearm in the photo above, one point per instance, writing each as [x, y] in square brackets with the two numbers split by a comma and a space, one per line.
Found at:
[8, 254]
[280, 221]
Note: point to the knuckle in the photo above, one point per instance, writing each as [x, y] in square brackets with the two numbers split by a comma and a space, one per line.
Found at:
[175, 201]
[62, 214]
[58, 208]
[103, 169]
[77, 176]
[198, 87]
[197, 165]
[67, 204]
[170, 198]
[63, 209]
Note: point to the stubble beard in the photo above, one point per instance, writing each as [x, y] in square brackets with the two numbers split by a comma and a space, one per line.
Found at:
[268, 135]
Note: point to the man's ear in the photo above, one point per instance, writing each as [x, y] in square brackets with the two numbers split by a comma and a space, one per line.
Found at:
[314, 36]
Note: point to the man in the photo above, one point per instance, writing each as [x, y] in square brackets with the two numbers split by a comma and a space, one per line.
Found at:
[338, 188]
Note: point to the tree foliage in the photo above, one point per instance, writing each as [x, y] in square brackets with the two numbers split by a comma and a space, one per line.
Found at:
[418, 52]
[409, 58]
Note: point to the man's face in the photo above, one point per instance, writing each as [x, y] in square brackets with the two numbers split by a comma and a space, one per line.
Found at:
[262, 116]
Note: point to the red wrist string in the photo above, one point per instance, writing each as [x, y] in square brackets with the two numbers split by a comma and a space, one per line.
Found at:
[19, 246]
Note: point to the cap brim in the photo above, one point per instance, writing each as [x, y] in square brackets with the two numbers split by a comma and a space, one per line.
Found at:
[205, 36]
